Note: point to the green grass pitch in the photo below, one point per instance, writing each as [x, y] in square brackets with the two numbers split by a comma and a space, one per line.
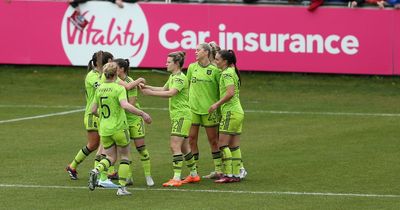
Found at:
[308, 142]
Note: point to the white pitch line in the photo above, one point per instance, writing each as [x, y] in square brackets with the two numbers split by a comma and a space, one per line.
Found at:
[41, 116]
[213, 191]
[327, 113]
[39, 106]
[308, 113]
[246, 110]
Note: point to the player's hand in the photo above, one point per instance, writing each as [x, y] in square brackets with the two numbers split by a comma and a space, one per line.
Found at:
[212, 108]
[146, 118]
[141, 80]
[142, 86]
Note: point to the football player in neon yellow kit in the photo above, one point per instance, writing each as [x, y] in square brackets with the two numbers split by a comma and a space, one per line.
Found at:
[176, 89]
[232, 116]
[105, 181]
[136, 123]
[204, 80]
[92, 82]
[111, 101]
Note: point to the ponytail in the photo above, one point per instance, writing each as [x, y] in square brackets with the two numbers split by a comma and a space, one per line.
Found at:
[214, 49]
[99, 59]
[90, 65]
[236, 68]
[178, 57]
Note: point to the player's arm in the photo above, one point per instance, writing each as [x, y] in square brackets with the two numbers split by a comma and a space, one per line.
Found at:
[94, 109]
[131, 85]
[132, 100]
[230, 92]
[128, 107]
[153, 88]
[161, 93]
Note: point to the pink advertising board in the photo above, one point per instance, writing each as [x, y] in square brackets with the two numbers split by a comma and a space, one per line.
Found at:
[265, 38]
[396, 43]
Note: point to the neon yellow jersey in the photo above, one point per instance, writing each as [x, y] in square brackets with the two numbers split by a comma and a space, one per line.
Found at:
[179, 103]
[112, 115]
[204, 83]
[92, 82]
[132, 93]
[229, 77]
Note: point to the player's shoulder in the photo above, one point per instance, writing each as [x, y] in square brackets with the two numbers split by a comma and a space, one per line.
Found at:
[229, 72]
[213, 67]
[180, 77]
[117, 86]
[92, 74]
[193, 65]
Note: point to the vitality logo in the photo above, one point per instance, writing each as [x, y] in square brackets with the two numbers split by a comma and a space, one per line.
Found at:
[122, 32]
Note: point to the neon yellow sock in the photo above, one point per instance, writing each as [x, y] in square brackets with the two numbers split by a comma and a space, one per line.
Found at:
[236, 160]
[145, 159]
[80, 157]
[98, 159]
[103, 165]
[123, 171]
[226, 160]
[130, 171]
[177, 162]
[191, 164]
[241, 162]
[217, 157]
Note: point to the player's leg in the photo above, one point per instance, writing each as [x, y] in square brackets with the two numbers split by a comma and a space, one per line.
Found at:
[109, 150]
[177, 161]
[137, 133]
[92, 145]
[103, 180]
[183, 130]
[122, 140]
[93, 140]
[194, 135]
[190, 163]
[211, 123]
[235, 129]
[236, 157]
[145, 160]
[226, 158]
